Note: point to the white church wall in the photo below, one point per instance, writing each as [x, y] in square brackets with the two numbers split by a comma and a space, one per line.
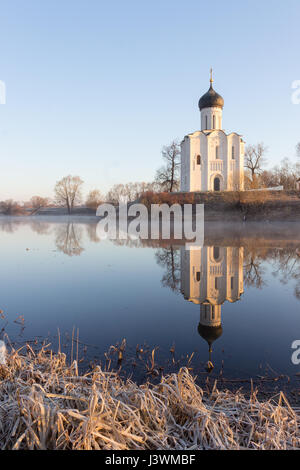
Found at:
[233, 175]
[195, 167]
[217, 161]
[204, 161]
[213, 163]
[211, 118]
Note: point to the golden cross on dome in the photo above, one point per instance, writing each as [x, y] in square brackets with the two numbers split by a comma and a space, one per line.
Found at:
[211, 75]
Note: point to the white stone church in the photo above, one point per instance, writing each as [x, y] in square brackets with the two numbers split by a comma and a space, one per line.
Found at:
[212, 160]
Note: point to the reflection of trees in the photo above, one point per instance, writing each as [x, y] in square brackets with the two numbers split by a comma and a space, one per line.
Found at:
[169, 258]
[285, 262]
[297, 291]
[8, 227]
[287, 267]
[42, 228]
[91, 230]
[68, 239]
[129, 242]
[253, 271]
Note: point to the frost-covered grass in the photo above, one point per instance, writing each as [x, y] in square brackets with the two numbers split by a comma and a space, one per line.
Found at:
[46, 404]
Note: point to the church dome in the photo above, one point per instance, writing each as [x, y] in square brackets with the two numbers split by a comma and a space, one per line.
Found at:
[211, 99]
[210, 333]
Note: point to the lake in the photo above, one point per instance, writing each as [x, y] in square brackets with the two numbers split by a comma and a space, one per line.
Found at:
[234, 302]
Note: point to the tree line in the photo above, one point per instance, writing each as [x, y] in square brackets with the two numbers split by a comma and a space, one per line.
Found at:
[68, 190]
[286, 174]
[68, 194]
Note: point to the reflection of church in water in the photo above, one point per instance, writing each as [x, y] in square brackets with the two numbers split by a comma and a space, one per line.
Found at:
[210, 276]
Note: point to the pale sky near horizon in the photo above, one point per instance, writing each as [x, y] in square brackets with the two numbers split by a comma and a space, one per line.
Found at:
[96, 88]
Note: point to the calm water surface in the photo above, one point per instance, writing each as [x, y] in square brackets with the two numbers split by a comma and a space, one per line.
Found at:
[234, 302]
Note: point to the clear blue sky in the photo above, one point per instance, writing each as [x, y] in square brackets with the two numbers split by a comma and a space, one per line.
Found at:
[96, 88]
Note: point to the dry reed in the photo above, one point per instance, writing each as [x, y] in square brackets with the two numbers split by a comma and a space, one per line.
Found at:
[46, 404]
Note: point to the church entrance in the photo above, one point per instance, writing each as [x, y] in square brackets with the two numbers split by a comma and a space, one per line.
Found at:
[217, 184]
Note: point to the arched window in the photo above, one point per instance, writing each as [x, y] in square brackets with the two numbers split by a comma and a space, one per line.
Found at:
[207, 310]
[216, 253]
[214, 122]
[198, 276]
[232, 153]
[217, 152]
[198, 160]
[217, 184]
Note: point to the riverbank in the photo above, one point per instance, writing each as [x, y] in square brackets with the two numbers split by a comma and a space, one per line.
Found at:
[259, 205]
[47, 404]
[233, 206]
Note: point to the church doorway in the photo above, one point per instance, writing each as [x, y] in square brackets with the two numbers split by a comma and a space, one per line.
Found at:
[217, 184]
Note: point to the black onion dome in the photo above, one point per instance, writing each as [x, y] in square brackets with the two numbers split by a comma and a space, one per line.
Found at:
[210, 333]
[211, 99]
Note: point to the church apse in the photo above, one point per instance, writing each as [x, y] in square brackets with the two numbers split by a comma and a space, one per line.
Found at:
[211, 276]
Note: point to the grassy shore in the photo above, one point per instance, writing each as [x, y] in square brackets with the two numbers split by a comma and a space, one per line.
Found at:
[46, 404]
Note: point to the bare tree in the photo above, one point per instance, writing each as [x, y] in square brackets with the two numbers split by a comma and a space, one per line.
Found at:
[287, 174]
[11, 207]
[68, 192]
[168, 175]
[267, 179]
[130, 191]
[37, 202]
[254, 160]
[94, 199]
[298, 149]
[117, 193]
